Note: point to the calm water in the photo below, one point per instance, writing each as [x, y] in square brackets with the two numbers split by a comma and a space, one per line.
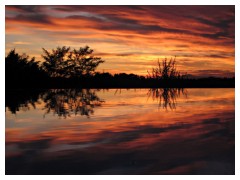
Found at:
[143, 131]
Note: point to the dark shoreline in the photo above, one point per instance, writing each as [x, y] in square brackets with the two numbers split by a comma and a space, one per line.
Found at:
[123, 83]
[94, 87]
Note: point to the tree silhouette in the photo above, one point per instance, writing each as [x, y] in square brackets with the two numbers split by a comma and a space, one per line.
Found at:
[62, 62]
[55, 60]
[21, 69]
[166, 70]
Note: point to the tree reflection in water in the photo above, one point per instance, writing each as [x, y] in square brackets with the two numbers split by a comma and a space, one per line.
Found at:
[65, 102]
[22, 100]
[167, 97]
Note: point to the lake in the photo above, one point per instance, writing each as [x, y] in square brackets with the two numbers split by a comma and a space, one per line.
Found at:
[120, 131]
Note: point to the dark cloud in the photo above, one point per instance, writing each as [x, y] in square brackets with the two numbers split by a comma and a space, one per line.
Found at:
[191, 63]
[219, 56]
[69, 8]
[120, 23]
[208, 54]
[215, 73]
[36, 18]
[26, 8]
[178, 50]
[115, 54]
[224, 25]
[108, 19]
[182, 46]
[100, 9]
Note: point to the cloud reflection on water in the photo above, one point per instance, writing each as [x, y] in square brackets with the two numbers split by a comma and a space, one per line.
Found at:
[196, 138]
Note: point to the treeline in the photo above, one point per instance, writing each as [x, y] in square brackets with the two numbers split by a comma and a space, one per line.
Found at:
[66, 68]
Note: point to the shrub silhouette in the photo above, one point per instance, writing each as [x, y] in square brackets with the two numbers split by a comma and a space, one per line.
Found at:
[62, 62]
[166, 70]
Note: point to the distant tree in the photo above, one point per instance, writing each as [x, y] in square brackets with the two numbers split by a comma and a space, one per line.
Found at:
[105, 75]
[165, 70]
[62, 62]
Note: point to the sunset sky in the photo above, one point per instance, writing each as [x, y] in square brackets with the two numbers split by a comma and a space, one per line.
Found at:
[130, 38]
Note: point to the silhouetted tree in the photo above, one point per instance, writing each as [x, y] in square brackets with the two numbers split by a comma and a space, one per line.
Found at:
[62, 62]
[166, 70]
[54, 63]
[21, 69]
